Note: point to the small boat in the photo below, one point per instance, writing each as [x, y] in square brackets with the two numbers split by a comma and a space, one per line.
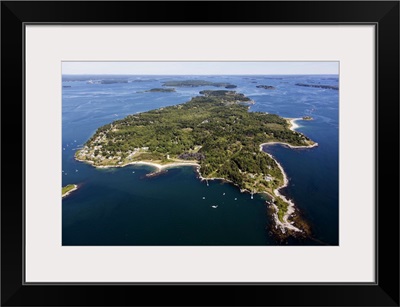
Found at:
[214, 206]
[223, 194]
[235, 198]
[204, 198]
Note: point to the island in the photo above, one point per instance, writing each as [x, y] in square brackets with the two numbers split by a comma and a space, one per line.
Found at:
[68, 189]
[266, 87]
[329, 87]
[230, 86]
[197, 83]
[161, 90]
[215, 133]
[107, 81]
[307, 118]
[144, 80]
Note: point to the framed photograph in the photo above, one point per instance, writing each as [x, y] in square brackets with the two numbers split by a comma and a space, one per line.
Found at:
[249, 147]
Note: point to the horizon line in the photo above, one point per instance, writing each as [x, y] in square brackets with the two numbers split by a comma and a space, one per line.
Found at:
[211, 74]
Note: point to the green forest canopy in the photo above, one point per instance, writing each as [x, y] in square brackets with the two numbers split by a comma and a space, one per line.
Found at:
[216, 130]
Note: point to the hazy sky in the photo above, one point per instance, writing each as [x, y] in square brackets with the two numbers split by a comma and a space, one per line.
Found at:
[200, 68]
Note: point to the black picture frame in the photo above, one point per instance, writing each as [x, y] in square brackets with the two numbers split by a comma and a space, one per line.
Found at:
[383, 14]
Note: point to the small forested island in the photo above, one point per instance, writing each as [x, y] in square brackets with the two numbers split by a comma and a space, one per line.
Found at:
[228, 97]
[143, 80]
[329, 87]
[68, 189]
[266, 87]
[107, 81]
[196, 83]
[214, 131]
[161, 90]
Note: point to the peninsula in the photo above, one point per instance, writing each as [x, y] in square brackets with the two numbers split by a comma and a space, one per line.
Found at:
[214, 132]
[329, 87]
[196, 83]
[68, 189]
[161, 90]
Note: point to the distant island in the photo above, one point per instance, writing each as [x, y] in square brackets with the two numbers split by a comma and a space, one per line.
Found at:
[214, 132]
[197, 83]
[68, 189]
[307, 118]
[143, 80]
[161, 90]
[330, 87]
[267, 87]
[107, 81]
[230, 86]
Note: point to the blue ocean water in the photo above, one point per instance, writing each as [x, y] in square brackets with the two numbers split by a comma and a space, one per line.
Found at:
[121, 206]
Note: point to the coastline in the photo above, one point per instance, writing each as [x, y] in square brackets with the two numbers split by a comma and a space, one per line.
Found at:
[293, 126]
[285, 225]
[70, 191]
[290, 146]
[158, 166]
[291, 206]
[292, 122]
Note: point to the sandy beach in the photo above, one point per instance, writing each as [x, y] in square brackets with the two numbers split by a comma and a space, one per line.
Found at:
[288, 145]
[158, 166]
[292, 121]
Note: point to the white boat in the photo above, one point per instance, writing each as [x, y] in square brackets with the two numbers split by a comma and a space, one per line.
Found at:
[215, 206]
